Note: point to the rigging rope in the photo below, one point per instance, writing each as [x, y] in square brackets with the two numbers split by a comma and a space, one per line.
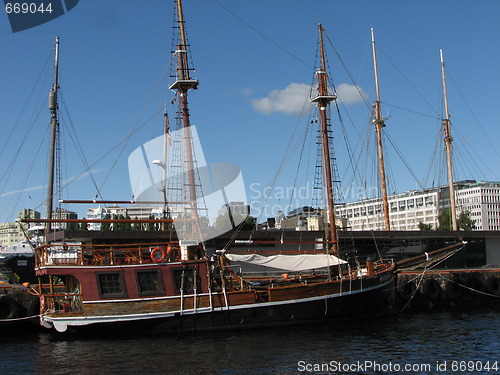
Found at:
[288, 154]
[404, 161]
[78, 146]
[24, 139]
[10, 168]
[493, 147]
[136, 127]
[469, 151]
[410, 110]
[408, 81]
[304, 137]
[21, 188]
[263, 35]
[43, 73]
[434, 156]
[361, 94]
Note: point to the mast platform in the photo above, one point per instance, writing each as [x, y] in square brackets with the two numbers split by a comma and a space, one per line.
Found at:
[326, 98]
[185, 84]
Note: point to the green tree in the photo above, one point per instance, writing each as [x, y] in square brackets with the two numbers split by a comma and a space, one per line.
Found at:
[72, 226]
[423, 226]
[444, 219]
[136, 226]
[106, 226]
[151, 226]
[464, 221]
[128, 225]
[249, 222]
[116, 225]
[236, 220]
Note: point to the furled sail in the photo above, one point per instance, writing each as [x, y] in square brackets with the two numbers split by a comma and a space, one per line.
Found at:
[294, 263]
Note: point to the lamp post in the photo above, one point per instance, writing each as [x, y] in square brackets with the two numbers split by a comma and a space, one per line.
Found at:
[161, 164]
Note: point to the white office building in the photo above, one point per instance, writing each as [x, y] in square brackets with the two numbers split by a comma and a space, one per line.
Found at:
[482, 200]
[408, 210]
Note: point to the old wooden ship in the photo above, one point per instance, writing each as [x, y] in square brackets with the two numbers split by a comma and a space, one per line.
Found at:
[111, 282]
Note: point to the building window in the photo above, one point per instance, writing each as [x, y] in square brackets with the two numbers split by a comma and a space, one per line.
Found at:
[149, 283]
[111, 284]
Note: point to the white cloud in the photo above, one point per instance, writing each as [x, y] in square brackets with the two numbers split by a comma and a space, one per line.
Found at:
[350, 94]
[290, 100]
[293, 98]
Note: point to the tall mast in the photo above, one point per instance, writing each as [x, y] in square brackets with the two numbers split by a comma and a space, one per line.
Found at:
[54, 124]
[183, 84]
[379, 124]
[447, 143]
[323, 100]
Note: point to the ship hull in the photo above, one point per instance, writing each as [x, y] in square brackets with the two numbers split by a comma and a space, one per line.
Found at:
[372, 302]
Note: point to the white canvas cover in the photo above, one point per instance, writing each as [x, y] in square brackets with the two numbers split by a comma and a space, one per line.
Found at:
[300, 262]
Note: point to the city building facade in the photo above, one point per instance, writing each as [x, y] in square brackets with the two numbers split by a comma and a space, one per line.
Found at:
[406, 212]
[11, 233]
[481, 200]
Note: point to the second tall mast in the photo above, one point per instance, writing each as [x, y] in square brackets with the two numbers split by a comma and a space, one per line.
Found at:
[379, 125]
[447, 142]
[54, 123]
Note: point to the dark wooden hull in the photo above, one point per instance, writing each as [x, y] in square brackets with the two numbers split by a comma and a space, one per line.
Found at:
[372, 302]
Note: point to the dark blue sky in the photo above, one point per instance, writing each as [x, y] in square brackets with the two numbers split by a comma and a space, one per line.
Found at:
[246, 53]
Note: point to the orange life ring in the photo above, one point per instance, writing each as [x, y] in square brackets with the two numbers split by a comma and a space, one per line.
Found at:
[155, 258]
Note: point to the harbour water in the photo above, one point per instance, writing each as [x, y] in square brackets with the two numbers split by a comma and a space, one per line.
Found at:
[419, 343]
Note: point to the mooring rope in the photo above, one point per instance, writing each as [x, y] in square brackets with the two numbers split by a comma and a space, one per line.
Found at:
[421, 275]
[23, 318]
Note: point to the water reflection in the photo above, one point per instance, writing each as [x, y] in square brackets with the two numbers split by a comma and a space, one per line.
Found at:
[414, 339]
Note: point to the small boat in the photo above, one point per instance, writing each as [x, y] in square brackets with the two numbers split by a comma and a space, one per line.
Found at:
[149, 283]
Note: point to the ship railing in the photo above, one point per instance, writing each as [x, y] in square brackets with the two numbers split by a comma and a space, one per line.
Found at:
[101, 255]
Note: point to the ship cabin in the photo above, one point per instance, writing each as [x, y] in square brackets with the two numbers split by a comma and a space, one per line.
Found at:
[88, 275]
